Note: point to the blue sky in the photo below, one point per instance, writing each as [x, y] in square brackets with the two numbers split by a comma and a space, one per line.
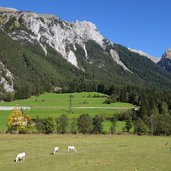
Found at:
[139, 24]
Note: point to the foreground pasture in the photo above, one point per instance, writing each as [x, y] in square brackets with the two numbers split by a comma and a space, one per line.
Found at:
[94, 152]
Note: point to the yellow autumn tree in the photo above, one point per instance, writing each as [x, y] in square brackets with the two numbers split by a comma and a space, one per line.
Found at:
[18, 121]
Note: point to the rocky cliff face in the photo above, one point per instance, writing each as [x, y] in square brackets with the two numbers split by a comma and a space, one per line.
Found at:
[167, 54]
[7, 79]
[165, 61]
[49, 30]
[63, 36]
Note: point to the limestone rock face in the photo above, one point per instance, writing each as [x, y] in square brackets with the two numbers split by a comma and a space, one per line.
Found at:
[167, 54]
[165, 61]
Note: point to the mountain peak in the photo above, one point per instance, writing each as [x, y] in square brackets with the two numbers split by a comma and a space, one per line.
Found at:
[6, 9]
[53, 31]
[167, 54]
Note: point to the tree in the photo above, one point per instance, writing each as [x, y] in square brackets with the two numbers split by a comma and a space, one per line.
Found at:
[100, 88]
[113, 128]
[73, 126]
[154, 110]
[62, 123]
[39, 124]
[128, 124]
[126, 115]
[97, 124]
[113, 125]
[19, 122]
[109, 100]
[143, 111]
[162, 124]
[85, 124]
[140, 127]
[163, 108]
[48, 125]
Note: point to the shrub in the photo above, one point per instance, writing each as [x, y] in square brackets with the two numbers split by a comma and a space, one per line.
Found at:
[48, 125]
[109, 100]
[85, 124]
[19, 122]
[62, 124]
[113, 128]
[73, 126]
[97, 125]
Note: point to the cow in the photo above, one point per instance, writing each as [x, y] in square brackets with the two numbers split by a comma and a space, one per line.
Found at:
[72, 149]
[55, 150]
[20, 157]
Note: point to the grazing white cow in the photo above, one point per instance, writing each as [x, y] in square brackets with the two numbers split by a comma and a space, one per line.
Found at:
[20, 157]
[55, 150]
[72, 149]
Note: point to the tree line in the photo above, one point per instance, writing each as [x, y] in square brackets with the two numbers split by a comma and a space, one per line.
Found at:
[154, 114]
[19, 122]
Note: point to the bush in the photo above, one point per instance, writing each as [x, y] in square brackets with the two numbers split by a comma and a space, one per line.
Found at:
[97, 125]
[45, 125]
[113, 128]
[85, 124]
[49, 126]
[73, 126]
[19, 122]
[109, 100]
[126, 115]
[62, 124]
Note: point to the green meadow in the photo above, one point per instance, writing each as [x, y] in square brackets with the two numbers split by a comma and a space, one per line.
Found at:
[71, 104]
[94, 153]
[62, 101]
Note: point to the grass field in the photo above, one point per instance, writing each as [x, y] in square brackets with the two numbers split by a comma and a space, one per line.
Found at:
[52, 100]
[50, 104]
[95, 153]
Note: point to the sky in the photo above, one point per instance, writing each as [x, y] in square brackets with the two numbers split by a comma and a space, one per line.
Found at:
[139, 24]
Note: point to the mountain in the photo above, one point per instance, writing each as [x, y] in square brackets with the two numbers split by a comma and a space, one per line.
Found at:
[2, 9]
[41, 52]
[165, 61]
[140, 52]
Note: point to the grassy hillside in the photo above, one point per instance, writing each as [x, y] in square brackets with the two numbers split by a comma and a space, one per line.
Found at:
[51, 104]
[102, 153]
[84, 99]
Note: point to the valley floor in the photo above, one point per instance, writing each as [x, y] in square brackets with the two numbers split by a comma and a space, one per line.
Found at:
[94, 152]
[54, 105]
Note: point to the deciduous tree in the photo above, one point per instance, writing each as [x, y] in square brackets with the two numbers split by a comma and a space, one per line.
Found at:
[18, 121]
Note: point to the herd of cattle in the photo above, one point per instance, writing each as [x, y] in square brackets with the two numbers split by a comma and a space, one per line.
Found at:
[21, 156]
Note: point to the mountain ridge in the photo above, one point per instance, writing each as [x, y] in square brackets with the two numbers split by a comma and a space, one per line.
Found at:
[154, 59]
[70, 55]
[165, 61]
